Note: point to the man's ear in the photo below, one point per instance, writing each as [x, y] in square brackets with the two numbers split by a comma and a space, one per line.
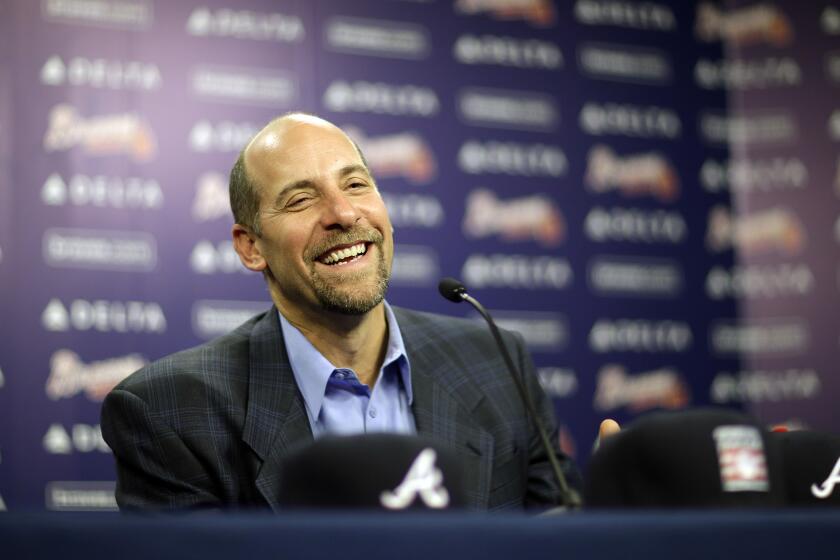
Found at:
[245, 244]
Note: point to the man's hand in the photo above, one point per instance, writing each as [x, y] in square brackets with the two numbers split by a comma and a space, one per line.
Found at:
[608, 428]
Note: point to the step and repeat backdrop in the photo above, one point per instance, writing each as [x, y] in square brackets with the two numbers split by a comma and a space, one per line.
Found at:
[647, 191]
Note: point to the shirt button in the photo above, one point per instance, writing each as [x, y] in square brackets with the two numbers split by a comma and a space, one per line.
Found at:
[339, 375]
[372, 412]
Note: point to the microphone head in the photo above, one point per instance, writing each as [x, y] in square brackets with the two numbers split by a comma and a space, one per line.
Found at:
[390, 472]
[691, 458]
[452, 289]
[811, 463]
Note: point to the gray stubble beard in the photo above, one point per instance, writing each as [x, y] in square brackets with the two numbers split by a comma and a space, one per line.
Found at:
[345, 302]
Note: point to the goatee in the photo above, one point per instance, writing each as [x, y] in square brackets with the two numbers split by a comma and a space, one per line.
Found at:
[355, 295]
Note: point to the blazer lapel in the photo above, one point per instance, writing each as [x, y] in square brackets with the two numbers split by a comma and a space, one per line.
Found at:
[444, 401]
[276, 418]
[444, 405]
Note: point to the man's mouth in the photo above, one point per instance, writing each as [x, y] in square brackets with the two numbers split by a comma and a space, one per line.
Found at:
[343, 254]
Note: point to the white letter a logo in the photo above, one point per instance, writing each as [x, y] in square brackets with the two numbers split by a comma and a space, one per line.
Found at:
[825, 489]
[422, 479]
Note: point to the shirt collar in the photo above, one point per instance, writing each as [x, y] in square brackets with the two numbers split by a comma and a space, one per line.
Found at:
[312, 370]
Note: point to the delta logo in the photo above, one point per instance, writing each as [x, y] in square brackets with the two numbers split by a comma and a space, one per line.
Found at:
[760, 281]
[80, 438]
[104, 316]
[380, 98]
[101, 73]
[223, 136]
[634, 225]
[414, 210]
[101, 135]
[759, 386]
[215, 258]
[507, 51]
[512, 158]
[629, 120]
[102, 191]
[755, 175]
[525, 272]
[748, 74]
[525, 218]
[245, 24]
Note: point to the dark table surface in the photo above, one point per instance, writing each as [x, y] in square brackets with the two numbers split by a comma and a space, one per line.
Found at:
[706, 535]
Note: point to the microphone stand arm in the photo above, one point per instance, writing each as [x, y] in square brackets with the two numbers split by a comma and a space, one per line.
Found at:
[569, 496]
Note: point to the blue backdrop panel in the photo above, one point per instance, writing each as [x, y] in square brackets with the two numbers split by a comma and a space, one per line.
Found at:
[646, 191]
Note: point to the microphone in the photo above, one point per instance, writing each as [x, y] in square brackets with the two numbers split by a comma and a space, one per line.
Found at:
[454, 290]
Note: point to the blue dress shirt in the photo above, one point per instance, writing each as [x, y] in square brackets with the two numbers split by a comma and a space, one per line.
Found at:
[337, 402]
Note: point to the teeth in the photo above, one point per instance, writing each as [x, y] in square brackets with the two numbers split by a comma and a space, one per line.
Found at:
[342, 254]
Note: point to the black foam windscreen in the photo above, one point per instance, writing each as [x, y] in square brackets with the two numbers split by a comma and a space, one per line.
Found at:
[811, 465]
[372, 471]
[692, 458]
[451, 289]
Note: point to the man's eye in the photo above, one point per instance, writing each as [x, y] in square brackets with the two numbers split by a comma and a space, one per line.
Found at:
[358, 185]
[297, 201]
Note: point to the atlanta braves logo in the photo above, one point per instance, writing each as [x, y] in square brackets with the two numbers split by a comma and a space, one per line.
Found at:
[423, 479]
[825, 489]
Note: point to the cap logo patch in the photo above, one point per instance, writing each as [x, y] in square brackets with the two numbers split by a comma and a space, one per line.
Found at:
[743, 466]
[423, 479]
[825, 489]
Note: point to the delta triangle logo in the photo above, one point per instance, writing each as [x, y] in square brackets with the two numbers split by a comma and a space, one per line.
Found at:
[423, 479]
[53, 71]
[55, 316]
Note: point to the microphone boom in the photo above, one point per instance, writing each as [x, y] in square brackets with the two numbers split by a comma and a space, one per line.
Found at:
[454, 290]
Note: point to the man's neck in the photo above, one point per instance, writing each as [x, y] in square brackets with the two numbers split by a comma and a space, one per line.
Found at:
[356, 342]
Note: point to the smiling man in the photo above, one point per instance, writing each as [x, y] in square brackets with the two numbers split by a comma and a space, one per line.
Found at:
[321, 235]
[209, 427]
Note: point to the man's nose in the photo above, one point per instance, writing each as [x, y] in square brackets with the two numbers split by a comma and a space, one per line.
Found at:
[339, 211]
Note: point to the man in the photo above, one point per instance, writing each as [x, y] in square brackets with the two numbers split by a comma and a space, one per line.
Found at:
[208, 427]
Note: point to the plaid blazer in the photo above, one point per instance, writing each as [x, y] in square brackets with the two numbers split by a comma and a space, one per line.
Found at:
[209, 426]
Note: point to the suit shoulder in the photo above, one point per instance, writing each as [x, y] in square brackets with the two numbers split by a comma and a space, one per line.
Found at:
[437, 323]
[213, 362]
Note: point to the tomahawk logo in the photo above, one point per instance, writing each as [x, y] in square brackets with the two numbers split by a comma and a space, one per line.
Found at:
[423, 479]
[825, 489]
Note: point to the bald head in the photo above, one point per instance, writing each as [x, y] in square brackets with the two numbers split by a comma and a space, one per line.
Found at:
[303, 197]
[256, 162]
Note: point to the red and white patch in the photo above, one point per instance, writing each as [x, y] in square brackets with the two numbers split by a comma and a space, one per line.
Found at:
[743, 465]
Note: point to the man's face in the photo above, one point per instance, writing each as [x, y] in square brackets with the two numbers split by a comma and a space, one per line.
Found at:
[326, 237]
